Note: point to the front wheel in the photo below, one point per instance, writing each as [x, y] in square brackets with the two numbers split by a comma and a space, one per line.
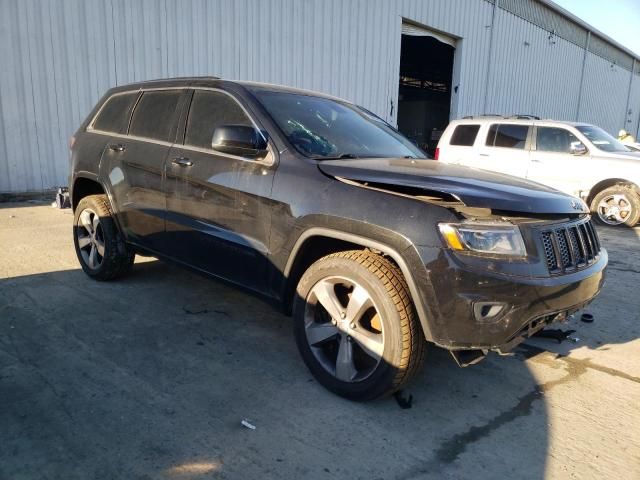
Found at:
[356, 327]
[617, 205]
[100, 248]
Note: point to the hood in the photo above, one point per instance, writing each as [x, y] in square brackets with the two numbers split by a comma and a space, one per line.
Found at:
[473, 187]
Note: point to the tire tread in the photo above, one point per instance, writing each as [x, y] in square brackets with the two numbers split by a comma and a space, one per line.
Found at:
[413, 341]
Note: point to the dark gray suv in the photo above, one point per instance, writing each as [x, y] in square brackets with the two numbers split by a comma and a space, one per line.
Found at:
[323, 207]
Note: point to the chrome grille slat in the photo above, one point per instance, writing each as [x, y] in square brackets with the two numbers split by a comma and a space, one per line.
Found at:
[568, 248]
[577, 246]
[590, 245]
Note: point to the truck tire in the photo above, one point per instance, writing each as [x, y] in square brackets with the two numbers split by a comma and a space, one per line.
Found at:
[355, 325]
[617, 205]
[100, 248]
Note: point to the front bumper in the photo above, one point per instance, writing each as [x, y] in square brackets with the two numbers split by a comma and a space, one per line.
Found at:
[524, 304]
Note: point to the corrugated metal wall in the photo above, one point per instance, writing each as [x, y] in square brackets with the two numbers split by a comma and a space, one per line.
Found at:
[60, 56]
[604, 81]
[633, 113]
[533, 73]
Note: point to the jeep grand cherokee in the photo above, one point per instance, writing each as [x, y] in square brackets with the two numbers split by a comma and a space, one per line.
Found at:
[323, 207]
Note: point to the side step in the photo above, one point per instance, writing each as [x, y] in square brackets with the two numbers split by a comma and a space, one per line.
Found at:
[464, 358]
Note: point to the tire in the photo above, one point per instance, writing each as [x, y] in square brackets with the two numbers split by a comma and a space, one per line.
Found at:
[371, 307]
[100, 248]
[617, 205]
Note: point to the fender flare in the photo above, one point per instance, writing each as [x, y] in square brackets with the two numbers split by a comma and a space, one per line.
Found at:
[107, 191]
[369, 243]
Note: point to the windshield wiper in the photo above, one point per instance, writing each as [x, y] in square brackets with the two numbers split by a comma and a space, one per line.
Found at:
[339, 157]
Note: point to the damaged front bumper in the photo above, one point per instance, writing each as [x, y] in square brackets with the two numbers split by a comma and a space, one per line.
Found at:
[477, 312]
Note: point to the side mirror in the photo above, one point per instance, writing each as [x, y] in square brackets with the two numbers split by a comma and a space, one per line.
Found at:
[239, 140]
[577, 148]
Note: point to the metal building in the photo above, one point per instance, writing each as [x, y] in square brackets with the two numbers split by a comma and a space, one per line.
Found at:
[416, 63]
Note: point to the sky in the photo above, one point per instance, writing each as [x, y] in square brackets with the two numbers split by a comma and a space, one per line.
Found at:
[619, 19]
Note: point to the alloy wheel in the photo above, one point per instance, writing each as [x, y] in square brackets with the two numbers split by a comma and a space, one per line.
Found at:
[90, 237]
[343, 328]
[614, 209]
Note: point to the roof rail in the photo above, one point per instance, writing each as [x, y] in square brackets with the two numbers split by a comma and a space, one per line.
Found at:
[518, 116]
[484, 115]
[524, 116]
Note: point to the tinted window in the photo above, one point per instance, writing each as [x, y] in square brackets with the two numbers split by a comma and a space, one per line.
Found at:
[464, 135]
[550, 139]
[114, 116]
[210, 110]
[506, 135]
[321, 127]
[155, 115]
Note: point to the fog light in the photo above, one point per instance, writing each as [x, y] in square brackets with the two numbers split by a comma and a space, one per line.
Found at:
[487, 311]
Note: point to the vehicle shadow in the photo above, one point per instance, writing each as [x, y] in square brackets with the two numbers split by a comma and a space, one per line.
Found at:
[150, 377]
[26, 203]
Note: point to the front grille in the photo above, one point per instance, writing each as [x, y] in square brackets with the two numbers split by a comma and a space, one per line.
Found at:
[570, 247]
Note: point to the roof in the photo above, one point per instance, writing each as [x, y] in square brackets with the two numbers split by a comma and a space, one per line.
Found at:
[515, 120]
[211, 81]
[285, 89]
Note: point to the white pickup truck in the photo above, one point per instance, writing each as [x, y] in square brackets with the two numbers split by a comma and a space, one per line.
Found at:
[576, 158]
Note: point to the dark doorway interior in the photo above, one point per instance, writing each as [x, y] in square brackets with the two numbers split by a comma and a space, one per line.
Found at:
[426, 69]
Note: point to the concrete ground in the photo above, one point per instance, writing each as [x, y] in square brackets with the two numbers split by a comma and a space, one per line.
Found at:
[150, 377]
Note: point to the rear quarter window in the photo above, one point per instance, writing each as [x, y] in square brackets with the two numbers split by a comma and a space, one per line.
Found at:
[114, 115]
[464, 135]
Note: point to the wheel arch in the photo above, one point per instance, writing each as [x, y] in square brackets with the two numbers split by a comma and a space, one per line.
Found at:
[84, 186]
[317, 242]
[609, 182]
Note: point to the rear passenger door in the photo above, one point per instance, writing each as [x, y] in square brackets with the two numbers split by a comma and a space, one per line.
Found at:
[134, 165]
[506, 149]
[218, 205]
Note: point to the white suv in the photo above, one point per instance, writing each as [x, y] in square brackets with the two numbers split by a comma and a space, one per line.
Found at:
[576, 158]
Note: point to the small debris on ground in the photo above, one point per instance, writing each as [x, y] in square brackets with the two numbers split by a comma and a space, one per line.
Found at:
[587, 318]
[245, 423]
[404, 403]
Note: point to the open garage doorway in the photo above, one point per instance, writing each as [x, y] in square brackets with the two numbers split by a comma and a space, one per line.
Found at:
[424, 94]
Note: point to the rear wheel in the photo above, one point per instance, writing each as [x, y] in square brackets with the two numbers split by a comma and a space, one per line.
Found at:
[617, 205]
[355, 325]
[102, 252]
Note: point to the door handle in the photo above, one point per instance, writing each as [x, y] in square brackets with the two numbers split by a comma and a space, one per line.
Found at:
[484, 154]
[117, 147]
[182, 161]
[535, 160]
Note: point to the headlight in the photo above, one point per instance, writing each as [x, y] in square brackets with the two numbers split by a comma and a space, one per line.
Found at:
[486, 239]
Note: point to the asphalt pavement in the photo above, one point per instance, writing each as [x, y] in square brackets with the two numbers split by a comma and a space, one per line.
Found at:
[151, 377]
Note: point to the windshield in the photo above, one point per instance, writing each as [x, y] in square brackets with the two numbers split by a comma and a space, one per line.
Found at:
[323, 128]
[602, 139]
